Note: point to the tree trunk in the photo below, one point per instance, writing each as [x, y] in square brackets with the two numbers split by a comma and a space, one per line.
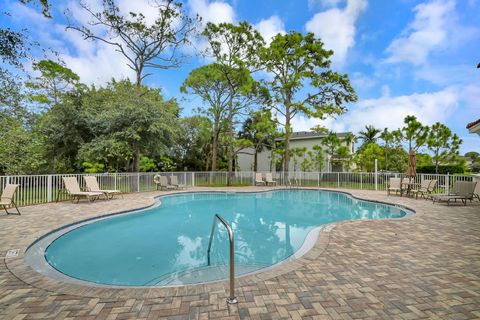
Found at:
[231, 151]
[136, 160]
[286, 162]
[214, 149]
[255, 160]
[138, 80]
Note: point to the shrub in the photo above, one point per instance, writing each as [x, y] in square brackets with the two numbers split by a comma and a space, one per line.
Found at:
[452, 169]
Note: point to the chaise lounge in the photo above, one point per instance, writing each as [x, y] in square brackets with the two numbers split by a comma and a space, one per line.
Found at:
[92, 186]
[73, 189]
[269, 180]
[461, 190]
[395, 184]
[7, 197]
[259, 180]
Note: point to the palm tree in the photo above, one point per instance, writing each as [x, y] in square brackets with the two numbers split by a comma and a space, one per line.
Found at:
[388, 138]
[370, 135]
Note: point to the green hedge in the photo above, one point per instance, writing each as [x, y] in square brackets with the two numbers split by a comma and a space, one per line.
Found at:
[452, 169]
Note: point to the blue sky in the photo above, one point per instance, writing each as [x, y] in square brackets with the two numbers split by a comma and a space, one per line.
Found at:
[403, 56]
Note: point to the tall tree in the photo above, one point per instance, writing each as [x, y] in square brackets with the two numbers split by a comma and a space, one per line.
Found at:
[143, 45]
[331, 142]
[235, 47]
[442, 143]
[261, 130]
[194, 143]
[414, 133]
[303, 82]
[210, 84]
[388, 139]
[365, 157]
[54, 79]
[316, 158]
[369, 135]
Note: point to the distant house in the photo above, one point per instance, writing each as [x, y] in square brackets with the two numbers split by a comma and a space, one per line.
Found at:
[302, 139]
[474, 127]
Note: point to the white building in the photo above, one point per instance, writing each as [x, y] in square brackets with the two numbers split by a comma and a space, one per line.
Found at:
[302, 139]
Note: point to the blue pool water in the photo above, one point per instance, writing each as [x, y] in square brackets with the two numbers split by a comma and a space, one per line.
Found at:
[167, 244]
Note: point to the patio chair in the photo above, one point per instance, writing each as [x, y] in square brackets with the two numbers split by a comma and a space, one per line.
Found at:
[423, 189]
[7, 197]
[259, 180]
[73, 189]
[92, 186]
[461, 190]
[395, 184]
[269, 179]
[174, 182]
[164, 184]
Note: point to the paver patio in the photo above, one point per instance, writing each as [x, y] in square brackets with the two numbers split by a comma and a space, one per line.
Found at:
[423, 266]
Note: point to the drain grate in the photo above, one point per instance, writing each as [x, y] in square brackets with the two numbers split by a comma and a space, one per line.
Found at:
[13, 253]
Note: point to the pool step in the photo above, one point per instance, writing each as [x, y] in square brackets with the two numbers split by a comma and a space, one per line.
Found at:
[203, 274]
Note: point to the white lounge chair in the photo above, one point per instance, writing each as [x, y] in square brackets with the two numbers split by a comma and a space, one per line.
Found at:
[461, 190]
[423, 189]
[269, 179]
[259, 180]
[7, 197]
[174, 182]
[395, 184]
[164, 184]
[73, 189]
[92, 186]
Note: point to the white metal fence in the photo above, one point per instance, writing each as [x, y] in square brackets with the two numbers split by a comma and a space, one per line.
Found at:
[36, 189]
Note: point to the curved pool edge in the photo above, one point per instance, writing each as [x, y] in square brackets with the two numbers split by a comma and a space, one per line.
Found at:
[316, 240]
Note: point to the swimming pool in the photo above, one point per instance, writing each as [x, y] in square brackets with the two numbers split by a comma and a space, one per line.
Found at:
[167, 244]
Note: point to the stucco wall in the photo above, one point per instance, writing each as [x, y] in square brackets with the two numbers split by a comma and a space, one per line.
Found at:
[245, 158]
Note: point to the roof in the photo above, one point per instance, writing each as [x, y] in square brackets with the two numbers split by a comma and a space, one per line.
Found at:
[471, 124]
[311, 135]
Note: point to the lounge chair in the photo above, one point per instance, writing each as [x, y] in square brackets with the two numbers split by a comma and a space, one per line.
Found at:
[164, 183]
[73, 189]
[92, 186]
[461, 190]
[7, 197]
[174, 182]
[423, 189]
[259, 180]
[269, 179]
[395, 184]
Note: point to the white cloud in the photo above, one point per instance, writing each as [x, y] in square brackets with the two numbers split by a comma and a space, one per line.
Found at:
[447, 74]
[214, 11]
[98, 64]
[336, 28]
[389, 112]
[324, 3]
[270, 27]
[426, 33]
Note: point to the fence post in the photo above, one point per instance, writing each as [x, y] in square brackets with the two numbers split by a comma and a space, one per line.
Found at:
[376, 174]
[361, 181]
[193, 179]
[49, 188]
[447, 183]
[338, 180]
[138, 181]
[115, 181]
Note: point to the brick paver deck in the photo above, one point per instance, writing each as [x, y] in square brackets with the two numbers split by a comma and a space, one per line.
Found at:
[425, 266]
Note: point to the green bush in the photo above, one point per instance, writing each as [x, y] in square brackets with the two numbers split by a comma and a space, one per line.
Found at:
[452, 169]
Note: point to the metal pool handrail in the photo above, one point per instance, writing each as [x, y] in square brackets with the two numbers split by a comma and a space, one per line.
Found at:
[231, 299]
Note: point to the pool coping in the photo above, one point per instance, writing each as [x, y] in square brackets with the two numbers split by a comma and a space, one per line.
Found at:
[318, 241]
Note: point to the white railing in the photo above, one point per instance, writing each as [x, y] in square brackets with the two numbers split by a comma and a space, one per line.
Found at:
[36, 189]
